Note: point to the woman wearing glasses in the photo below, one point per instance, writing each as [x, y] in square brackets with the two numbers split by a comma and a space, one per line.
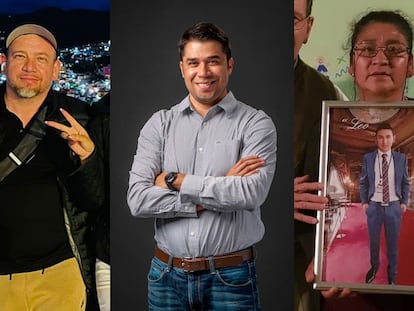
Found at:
[381, 62]
[381, 59]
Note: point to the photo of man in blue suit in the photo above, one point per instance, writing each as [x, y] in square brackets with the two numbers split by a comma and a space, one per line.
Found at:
[384, 193]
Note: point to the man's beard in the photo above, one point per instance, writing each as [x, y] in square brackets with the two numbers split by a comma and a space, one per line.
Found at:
[26, 92]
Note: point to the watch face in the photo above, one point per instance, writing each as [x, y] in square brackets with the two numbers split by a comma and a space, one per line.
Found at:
[170, 177]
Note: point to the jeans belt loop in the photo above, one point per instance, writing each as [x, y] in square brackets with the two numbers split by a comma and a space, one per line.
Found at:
[170, 263]
[212, 266]
[254, 251]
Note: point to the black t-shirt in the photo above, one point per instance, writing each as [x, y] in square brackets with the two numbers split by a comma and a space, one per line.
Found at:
[32, 228]
[11, 131]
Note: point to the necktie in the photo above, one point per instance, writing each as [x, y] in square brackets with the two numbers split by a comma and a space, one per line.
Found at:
[385, 188]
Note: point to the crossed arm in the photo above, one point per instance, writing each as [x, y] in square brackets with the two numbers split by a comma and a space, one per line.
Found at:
[244, 186]
[244, 167]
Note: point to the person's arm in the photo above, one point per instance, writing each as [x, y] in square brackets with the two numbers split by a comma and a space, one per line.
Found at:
[405, 187]
[145, 199]
[223, 193]
[233, 193]
[244, 167]
[85, 183]
[89, 184]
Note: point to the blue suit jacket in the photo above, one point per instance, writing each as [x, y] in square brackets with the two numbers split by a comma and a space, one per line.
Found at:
[367, 178]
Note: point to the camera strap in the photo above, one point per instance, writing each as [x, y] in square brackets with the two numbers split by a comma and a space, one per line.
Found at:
[24, 151]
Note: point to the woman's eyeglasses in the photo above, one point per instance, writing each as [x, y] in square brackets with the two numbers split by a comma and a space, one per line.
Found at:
[365, 49]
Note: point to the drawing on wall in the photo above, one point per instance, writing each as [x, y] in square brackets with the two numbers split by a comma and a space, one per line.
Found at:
[321, 66]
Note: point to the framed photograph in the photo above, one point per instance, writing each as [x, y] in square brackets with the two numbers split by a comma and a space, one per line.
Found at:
[364, 237]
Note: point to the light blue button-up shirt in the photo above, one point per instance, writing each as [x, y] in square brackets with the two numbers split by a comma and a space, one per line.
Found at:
[204, 149]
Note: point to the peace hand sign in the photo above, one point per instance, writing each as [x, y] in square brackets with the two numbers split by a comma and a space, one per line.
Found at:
[77, 137]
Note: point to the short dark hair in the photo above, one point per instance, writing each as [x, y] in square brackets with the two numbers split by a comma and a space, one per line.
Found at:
[309, 8]
[205, 32]
[396, 18]
[383, 126]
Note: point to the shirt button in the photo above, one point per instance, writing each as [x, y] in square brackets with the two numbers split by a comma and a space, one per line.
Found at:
[192, 233]
[200, 149]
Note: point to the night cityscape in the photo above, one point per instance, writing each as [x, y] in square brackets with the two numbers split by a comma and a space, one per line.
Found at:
[85, 72]
[85, 57]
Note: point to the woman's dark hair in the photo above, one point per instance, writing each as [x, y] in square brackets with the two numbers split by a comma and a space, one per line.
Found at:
[205, 32]
[396, 18]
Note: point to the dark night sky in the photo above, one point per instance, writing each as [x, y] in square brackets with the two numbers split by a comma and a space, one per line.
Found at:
[26, 6]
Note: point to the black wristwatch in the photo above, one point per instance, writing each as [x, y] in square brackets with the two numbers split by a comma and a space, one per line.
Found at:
[169, 179]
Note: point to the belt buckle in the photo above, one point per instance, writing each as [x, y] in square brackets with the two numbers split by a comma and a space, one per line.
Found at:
[191, 264]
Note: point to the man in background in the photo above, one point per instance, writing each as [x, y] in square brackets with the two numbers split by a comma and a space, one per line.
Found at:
[311, 88]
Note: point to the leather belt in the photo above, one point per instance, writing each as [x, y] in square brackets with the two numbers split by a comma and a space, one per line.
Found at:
[203, 263]
[384, 204]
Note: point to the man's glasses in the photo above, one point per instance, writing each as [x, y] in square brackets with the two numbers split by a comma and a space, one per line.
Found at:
[365, 49]
[299, 23]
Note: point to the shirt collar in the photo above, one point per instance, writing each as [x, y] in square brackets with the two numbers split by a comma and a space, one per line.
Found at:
[388, 153]
[228, 104]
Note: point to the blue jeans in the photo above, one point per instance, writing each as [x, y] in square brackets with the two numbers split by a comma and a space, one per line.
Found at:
[230, 289]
